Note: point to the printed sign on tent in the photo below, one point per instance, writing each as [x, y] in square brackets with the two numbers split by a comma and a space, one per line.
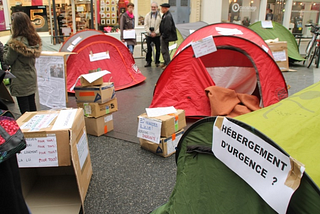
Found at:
[149, 129]
[204, 46]
[266, 24]
[272, 174]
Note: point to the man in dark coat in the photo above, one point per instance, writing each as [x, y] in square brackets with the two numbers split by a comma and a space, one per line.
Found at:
[168, 33]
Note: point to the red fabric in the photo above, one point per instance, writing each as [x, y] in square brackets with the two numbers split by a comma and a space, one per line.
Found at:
[226, 102]
[183, 82]
[210, 30]
[121, 63]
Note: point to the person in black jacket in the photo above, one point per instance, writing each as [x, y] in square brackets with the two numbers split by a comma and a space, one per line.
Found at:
[168, 33]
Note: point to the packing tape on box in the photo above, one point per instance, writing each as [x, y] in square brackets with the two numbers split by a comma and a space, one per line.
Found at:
[173, 136]
[87, 94]
[105, 129]
[176, 119]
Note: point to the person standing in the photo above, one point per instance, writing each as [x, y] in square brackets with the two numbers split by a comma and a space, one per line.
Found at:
[269, 16]
[127, 23]
[20, 53]
[151, 26]
[168, 33]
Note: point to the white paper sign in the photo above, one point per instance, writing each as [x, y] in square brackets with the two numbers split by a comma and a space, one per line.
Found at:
[149, 129]
[99, 56]
[51, 80]
[70, 48]
[266, 24]
[82, 148]
[9, 75]
[265, 48]
[172, 144]
[78, 39]
[108, 118]
[279, 56]
[129, 34]
[39, 121]
[159, 111]
[204, 46]
[191, 31]
[65, 119]
[228, 31]
[172, 47]
[40, 152]
[262, 166]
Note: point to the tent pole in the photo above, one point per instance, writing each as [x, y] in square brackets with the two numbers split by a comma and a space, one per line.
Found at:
[91, 11]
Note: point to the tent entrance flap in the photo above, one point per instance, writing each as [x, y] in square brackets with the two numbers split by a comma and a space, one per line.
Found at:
[240, 79]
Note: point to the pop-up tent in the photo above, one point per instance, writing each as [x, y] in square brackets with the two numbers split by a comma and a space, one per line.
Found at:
[205, 185]
[106, 53]
[74, 39]
[240, 63]
[279, 31]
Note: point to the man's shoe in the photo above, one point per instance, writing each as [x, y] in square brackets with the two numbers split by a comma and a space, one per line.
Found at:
[162, 65]
[157, 64]
[148, 65]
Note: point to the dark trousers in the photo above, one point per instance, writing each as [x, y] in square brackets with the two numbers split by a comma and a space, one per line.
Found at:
[165, 51]
[156, 41]
[27, 103]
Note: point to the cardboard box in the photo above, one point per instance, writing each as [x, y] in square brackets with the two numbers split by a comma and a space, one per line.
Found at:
[99, 126]
[171, 123]
[97, 110]
[166, 146]
[95, 94]
[63, 186]
[280, 54]
[94, 78]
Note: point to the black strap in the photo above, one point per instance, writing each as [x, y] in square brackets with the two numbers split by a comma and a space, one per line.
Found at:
[4, 133]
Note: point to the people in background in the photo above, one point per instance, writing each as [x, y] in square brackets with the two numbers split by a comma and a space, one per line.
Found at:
[20, 53]
[168, 33]
[269, 15]
[151, 26]
[127, 23]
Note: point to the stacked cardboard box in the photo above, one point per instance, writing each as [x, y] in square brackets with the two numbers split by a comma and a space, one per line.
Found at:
[169, 135]
[57, 153]
[280, 54]
[98, 101]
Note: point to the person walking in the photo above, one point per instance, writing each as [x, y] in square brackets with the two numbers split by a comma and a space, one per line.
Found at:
[20, 53]
[168, 33]
[151, 26]
[127, 23]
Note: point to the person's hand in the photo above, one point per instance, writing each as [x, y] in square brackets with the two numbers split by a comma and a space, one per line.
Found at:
[153, 34]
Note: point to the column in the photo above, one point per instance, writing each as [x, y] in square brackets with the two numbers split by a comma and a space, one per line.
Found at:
[263, 10]
[7, 17]
[211, 11]
[287, 13]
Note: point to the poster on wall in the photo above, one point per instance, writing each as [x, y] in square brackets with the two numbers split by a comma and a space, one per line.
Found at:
[38, 16]
[51, 81]
[2, 20]
[36, 3]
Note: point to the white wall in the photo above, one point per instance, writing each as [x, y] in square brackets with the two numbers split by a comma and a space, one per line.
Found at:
[211, 11]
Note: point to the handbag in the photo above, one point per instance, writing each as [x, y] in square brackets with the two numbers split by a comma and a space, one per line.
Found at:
[12, 139]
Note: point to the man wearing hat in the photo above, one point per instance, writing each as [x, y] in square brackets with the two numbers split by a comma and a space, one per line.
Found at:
[168, 33]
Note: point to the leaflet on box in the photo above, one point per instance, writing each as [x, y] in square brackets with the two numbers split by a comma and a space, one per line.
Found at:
[39, 121]
[65, 119]
[159, 111]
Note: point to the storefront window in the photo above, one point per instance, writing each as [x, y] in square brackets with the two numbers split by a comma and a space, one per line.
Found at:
[244, 12]
[302, 14]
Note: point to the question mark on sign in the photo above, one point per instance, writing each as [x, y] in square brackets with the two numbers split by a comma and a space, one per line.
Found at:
[274, 180]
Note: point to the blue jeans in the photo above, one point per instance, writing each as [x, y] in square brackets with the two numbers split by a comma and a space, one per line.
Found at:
[131, 47]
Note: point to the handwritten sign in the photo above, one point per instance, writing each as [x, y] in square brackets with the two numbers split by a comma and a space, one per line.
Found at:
[204, 46]
[272, 174]
[266, 24]
[40, 152]
[279, 56]
[39, 121]
[149, 129]
[99, 56]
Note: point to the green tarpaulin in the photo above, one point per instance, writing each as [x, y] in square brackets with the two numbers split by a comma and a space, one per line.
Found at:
[279, 31]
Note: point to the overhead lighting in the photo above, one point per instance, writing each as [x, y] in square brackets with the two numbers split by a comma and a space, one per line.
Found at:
[294, 3]
[251, 2]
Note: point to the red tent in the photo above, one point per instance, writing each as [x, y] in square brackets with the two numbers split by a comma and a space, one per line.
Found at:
[107, 53]
[239, 64]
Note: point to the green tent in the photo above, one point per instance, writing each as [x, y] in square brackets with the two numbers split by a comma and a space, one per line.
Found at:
[205, 185]
[279, 31]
